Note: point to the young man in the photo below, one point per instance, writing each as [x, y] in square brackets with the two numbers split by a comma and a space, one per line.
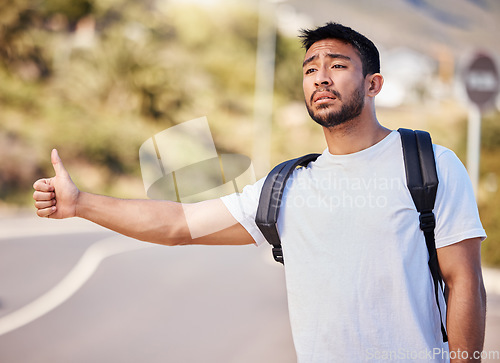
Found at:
[359, 287]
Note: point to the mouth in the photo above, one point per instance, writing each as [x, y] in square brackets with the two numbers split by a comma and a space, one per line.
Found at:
[321, 97]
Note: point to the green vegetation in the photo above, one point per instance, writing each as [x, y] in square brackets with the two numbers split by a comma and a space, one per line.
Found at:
[96, 79]
[489, 191]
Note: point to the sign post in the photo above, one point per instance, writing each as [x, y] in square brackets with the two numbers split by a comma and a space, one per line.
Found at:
[482, 84]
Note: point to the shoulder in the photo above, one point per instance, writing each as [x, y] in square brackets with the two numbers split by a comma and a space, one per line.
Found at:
[457, 216]
[443, 154]
[448, 164]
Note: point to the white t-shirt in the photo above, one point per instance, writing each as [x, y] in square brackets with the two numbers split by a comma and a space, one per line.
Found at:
[358, 284]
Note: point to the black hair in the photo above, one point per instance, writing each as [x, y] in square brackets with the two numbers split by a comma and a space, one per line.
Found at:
[368, 52]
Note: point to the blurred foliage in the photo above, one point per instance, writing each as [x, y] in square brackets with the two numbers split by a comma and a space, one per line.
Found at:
[490, 132]
[489, 191]
[95, 79]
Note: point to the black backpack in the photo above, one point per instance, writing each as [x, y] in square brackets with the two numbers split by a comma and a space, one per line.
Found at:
[421, 179]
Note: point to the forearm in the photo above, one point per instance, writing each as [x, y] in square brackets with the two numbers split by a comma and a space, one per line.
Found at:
[154, 221]
[466, 320]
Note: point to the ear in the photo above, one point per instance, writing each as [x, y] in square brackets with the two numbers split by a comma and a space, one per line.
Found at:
[374, 84]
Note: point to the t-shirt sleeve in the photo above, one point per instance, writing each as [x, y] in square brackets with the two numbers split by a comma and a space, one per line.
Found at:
[457, 216]
[243, 207]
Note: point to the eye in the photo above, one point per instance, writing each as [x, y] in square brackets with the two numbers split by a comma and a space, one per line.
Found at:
[310, 70]
[338, 66]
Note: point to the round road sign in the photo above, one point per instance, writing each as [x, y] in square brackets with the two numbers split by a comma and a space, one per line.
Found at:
[482, 81]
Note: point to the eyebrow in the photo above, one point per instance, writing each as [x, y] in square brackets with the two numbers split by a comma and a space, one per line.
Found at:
[329, 55]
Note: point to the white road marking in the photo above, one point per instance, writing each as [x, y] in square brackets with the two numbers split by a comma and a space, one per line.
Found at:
[71, 283]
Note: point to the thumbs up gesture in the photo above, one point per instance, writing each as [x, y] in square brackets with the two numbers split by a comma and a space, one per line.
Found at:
[56, 197]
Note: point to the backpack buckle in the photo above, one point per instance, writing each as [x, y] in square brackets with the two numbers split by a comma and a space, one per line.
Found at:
[278, 254]
[427, 221]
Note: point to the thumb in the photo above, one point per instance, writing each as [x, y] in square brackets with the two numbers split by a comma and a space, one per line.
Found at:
[57, 163]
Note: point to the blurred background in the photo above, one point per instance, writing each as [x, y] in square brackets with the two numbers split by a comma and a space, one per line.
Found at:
[95, 79]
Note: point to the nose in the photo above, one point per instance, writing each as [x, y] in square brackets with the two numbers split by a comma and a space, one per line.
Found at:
[322, 78]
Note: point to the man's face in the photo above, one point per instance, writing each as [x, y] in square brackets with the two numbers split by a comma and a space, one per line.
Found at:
[333, 82]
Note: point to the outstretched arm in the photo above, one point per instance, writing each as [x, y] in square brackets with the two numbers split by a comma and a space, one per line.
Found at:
[162, 222]
[460, 265]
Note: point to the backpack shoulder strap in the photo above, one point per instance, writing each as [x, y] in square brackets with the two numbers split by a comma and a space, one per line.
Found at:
[422, 181]
[421, 175]
[270, 200]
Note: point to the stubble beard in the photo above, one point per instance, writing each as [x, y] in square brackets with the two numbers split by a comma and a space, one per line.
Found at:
[351, 109]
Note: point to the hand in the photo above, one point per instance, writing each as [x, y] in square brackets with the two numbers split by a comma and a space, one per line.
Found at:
[56, 197]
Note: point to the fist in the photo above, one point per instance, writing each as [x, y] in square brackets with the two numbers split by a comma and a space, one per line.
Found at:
[56, 197]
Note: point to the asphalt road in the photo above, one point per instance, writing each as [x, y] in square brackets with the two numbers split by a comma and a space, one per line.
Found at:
[71, 291]
[88, 295]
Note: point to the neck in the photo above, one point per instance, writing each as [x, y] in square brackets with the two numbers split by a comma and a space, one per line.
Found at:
[355, 135]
